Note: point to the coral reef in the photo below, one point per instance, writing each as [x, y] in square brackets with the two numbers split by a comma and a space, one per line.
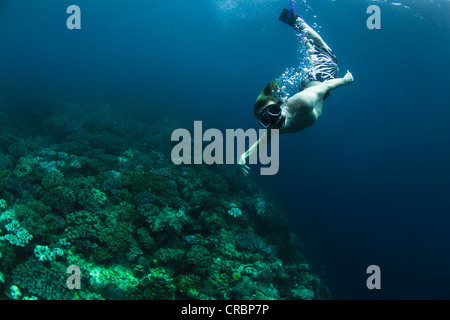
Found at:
[98, 190]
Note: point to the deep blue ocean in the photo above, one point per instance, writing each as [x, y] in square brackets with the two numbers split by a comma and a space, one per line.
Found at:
[368, 184]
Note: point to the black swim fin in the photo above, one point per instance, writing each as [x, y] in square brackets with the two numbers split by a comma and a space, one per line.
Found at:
[289, 17]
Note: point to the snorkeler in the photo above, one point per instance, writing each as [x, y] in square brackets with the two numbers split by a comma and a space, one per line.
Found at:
[305, 107]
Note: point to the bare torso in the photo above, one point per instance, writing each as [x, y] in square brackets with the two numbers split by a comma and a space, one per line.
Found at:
[304, 108]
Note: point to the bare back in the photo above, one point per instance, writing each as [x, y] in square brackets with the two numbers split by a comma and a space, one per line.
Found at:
[304, 108]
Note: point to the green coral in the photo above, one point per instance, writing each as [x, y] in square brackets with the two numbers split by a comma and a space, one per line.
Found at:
[52, 179]
[170, 255]
[157, 285]
[162, 219]
[24, 167]
[187, 285]
[46, 283]
[42, 222]
[92, 199]
[4, 174]
[200, 259]
[140, 228]
[235, 276]
[83, 231]
[115, 240]
[61, 199]
[95, 238]
[100, 276]
[214, 182]
[18, 235]
[145, 238]
[141, 182]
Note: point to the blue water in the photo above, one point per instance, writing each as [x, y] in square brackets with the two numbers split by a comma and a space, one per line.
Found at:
[367, 184]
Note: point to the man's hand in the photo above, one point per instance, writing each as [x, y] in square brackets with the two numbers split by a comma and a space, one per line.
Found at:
[348, 77]
[245, 168]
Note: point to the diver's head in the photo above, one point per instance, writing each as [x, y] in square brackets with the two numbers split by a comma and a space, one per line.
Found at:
[268, 107]
[272, 116]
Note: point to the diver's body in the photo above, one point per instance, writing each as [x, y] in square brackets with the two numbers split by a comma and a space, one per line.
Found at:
[305, 107]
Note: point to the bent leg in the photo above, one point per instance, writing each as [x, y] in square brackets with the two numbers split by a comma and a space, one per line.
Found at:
[311, 34]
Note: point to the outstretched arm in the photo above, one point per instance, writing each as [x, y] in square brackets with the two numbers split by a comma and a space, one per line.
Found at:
[263, 142]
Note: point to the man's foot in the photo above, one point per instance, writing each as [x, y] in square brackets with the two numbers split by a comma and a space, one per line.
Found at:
[348, 77]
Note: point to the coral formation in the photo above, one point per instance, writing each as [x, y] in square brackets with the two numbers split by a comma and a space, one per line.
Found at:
[98, 190]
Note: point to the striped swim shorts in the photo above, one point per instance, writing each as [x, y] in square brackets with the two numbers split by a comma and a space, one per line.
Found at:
[323, 66]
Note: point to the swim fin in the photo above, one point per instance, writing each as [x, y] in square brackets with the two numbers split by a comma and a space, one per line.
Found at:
[289, 17]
